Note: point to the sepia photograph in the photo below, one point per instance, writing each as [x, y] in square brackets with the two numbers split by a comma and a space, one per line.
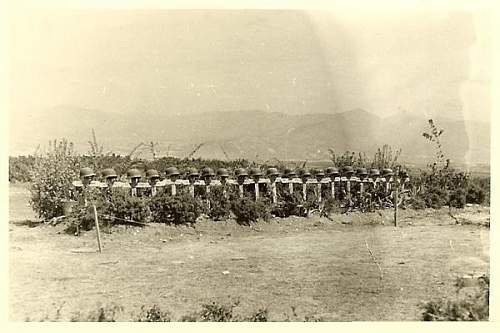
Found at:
[249, 164]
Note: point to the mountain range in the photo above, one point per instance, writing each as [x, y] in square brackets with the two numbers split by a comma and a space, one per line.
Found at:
[251, 134]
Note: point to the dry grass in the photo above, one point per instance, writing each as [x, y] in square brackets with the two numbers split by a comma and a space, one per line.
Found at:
[319, 267]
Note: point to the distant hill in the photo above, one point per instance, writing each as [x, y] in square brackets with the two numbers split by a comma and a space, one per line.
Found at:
[252, 134]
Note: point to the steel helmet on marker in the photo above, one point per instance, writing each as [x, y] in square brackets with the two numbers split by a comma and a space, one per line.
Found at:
[172, 171]
[241, 172]
[348, 170]
[387, 172]
[255, 172]
[319, 173]
[86, 172]
[134, 173]
[332, 171]
[192, 172]
[152, 173]
[273, 172]
[207, 172]
[304, 173]
[222, 172]
[109, 173]
[289, 173]
[362, 172]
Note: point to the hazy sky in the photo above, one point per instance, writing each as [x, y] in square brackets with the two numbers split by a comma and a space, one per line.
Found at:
[287, 61]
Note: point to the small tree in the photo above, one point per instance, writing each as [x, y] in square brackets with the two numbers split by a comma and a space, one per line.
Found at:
[51, 178]
[433, 136]
[441, 184]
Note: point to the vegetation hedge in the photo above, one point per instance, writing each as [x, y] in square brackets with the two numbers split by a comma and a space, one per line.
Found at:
[51, 174]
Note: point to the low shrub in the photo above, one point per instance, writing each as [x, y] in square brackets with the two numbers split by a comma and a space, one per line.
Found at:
[153, 314]
[102, 314]
[179, 209]
[211, 312]
[110, 205]
[220, 205]
[435, 197]
[458, 198]
[261, 315]
[418, 202]
[478, 191]
[81, 218]
[330, 206]
[123, 205]
[216, 312]
[465, 307]
[311, 202]
[247, 210]
[288, 205]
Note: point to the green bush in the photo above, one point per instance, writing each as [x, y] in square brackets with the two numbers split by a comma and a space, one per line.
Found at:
[247, 210]
[220, 205]
[261, 315]
[102, 314]
[330, 206]
[213, 312]
[288, 205]
[217, 312]
[436, 197]
[478, 191]
[311, 202]
[81, 218]
[117, 207]
[418, 202]
[465, 307]
[179, 209]
[264, 209]
[123, 205]
[153, 314]
[51, 177]
[458, 198]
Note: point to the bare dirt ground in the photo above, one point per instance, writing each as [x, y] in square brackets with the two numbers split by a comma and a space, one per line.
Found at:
[321, 268]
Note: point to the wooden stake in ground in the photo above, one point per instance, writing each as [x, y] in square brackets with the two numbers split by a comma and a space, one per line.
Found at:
[396, 206]
[97, 229]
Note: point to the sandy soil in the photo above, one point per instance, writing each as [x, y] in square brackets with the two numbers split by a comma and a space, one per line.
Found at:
[321, 268]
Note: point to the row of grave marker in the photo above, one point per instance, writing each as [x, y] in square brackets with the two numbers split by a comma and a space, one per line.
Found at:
[153, 186]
